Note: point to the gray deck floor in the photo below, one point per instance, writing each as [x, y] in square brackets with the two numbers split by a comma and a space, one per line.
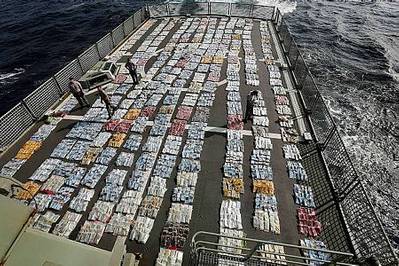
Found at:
[208, 195]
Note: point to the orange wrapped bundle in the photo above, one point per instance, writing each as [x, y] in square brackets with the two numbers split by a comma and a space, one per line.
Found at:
[233, 187]
[263, 186]
[132, 114]
[117, 140]
[28, 149]
[30, 186]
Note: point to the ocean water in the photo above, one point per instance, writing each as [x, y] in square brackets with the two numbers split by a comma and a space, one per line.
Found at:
[351, 47]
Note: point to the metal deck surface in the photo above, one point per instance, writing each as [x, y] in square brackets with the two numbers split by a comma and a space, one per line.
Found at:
[208, 194]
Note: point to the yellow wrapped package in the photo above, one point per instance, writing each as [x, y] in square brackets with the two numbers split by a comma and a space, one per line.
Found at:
[31, 189]
[218, 60]
[264, 187]
[132, 114]
[117, 140]
[28, 149]
[233, 187]
[236, 37]
[207, 59]
[90, 155]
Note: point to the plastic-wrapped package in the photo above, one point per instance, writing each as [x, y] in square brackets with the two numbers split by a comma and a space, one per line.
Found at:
[106, 156]
[272, 254]
[67, 224]
[174, 235]
[178, 127]
[150, 206]
[119, 224]
[78, 150]
[85, 130]
[153, 144]
[233, 187]
[125, 159]
[90, 155]
[41, 201]
[283, 110]
[30, 190]
[53, 184]
[296, 171]
[291, 152]
[233, 170]
[231, 242]
[141, 229]
[265, 202]
[44, 222]
[91, 232]
[184, 112]
[101, 211]
[45, 169]
[260, 157]
[263, 143]
[28, 149]
[63, 148]
[101, 139]
[80, 202]
[172, 145]
[180, 213]
[308, 223]
[164, 165]
[230, 215]
[169, 257]
[304, 196]
[157, 186]
[201, 115]
[129, 202]
[93, 175]
[116, 176]
[192, 149]
[259, 171]
[11, 167]
[110, 192]
[63, 196]
[139, 179]
[117, 140]
[315, 244]
[196, 131]
[183, 195]
[188, 165]
[190, 99]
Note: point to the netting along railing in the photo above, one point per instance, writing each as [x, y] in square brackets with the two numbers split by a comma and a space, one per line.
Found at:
[365, 230]
[23, 115]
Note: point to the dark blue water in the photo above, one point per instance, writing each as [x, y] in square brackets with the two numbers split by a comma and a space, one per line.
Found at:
[37, 38]
[352, 49]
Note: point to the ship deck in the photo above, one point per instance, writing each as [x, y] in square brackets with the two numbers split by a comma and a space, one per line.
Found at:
[208, 192]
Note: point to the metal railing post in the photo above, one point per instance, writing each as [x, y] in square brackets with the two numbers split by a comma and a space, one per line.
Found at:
[58, 86]
[25, 105]
[230, 8]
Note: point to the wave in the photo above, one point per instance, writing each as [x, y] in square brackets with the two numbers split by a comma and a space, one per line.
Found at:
[11, 76]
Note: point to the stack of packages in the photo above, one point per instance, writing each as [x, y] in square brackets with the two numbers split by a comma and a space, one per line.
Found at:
[28, 149]
[266, 214]
[251, 70]
[176, 229]
[308, 223]
[233, 185]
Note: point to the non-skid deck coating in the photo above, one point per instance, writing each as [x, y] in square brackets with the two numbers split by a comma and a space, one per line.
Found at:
[208, 193]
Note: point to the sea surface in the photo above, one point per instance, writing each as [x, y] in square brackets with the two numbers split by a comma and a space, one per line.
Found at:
[351, 47]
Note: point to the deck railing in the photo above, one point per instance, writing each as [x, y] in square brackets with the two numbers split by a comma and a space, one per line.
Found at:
[17, 120]
[364, 228]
